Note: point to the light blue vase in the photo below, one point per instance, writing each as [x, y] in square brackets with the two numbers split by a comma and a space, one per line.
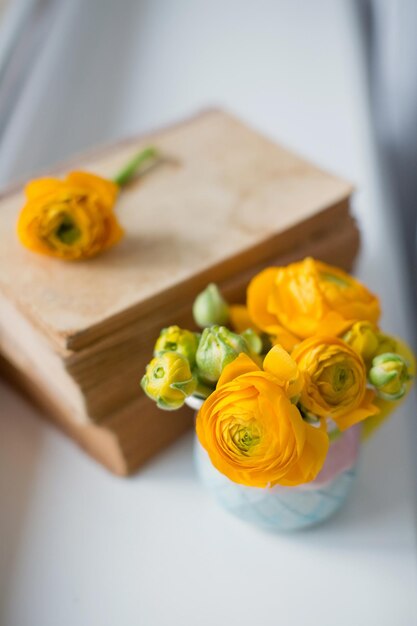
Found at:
[287, 508]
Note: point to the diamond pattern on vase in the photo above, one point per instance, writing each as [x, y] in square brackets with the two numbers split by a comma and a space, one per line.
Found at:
[277, 508]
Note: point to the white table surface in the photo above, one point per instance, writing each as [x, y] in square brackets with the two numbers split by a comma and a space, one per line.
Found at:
[81, 547]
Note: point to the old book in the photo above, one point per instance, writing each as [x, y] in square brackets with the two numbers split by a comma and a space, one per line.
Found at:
[225, 203]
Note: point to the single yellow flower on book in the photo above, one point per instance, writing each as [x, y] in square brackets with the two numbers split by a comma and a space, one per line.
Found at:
[73, 218]
[70, 219]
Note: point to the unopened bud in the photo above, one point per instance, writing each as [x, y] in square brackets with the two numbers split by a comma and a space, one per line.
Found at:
[210, 307]
[218, 347]
[363, 338]
[176, 339]
[389, 375]
[168, 380]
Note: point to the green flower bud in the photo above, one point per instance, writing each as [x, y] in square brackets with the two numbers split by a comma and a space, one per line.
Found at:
[389, 375]
[168, 380]
[175, 339]
[218, 347]
[210, 307]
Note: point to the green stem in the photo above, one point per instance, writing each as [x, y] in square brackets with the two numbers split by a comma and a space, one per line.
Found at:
[146, 157]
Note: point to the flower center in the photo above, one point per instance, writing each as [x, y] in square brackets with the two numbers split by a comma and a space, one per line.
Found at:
[244, 436]
[336, 381]
[67, 232]
[340, 378]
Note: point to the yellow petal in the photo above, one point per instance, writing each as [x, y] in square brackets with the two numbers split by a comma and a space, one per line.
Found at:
[241, 365]
[115, 232]
[240, 319]
[41, 186]
[367, 408]
[258, 291]
[279, 363]
[333, 324]
[107, 189]
[312, 459]
[286, 339]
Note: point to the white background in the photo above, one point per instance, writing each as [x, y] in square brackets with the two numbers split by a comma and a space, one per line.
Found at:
[81, 547]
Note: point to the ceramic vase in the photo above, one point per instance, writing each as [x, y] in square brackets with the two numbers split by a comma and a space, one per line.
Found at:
[287, 508]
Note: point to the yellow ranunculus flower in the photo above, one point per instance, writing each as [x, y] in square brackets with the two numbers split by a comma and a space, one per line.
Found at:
[307, 298]
[73, 219]
[252, 431]
[70, 219]
[334, 381]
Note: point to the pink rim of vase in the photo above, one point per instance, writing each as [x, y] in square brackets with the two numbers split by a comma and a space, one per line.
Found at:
[342, 456]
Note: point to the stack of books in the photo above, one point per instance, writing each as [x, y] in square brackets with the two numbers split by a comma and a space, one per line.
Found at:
[224, 203]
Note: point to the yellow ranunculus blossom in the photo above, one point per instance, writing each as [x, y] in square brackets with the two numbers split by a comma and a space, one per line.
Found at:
[334, 381]
[307, 298]
[252, 431]
[70, 219]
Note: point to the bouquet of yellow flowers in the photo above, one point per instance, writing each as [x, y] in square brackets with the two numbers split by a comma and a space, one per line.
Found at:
[282, 380]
